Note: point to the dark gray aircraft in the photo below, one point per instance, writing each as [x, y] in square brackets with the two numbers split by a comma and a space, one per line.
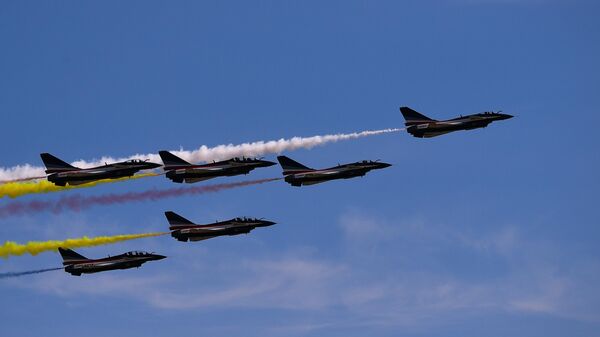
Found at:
[297, 174]
[179, 170]
[183, 229]
[422, 126]
[61, 173]
[76, 264]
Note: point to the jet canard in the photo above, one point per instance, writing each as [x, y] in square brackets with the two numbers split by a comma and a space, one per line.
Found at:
[422, 126]
[297, 174]
[183, 229]
[77, 264]
[179, 170]
[61, 173]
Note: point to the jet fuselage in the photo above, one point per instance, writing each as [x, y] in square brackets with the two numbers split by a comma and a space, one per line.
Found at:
[184, 230]
[299, 177]
[61, 173]
[180, 171]
[423, 127]
[128, 260]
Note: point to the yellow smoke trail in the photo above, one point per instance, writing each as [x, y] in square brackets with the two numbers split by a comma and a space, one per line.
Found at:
[17, 189]
[10, 248]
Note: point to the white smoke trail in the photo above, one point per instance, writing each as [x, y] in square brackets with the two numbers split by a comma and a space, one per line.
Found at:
[29, 272]
[206, 154]
[15, 173]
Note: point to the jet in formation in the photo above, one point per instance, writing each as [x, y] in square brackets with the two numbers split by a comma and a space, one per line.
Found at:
[297, 174]
[77, 264]
[422, 126]
[62, 173]
[183, 229]
[179, 170]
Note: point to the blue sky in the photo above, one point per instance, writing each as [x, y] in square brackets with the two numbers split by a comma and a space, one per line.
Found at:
[491, 232]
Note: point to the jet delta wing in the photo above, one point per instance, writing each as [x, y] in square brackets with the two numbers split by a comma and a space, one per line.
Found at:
[61, 173]
[179, 170]
[184, 230]
[77, 264]
[297, 174]
[422, 126]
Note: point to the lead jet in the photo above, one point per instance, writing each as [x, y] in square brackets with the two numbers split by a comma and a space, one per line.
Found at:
[297, 174]
[77, 264]
[61, 173]
[179, 170]
[183, 229]
[422, 126]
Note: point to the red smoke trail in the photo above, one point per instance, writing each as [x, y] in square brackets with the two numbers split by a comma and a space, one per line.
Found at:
[79, 202]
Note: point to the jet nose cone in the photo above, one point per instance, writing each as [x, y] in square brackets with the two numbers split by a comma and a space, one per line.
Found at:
[505, 116]
[157, 257]
[266, 163]
[154, 165]
[268, 223]
[384, 165]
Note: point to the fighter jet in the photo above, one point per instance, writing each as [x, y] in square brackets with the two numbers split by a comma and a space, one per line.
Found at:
[61, 173]
[297, 174]
[183, 229]
[422, 126]
[77, 264]
[179, 170]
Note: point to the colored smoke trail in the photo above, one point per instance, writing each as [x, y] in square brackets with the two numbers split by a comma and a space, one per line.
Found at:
[10, 248]
[206, 154]
[17, 189]
[79, 202]
[29, 272]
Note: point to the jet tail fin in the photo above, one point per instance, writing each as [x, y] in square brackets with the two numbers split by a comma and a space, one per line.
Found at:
[54, 165]
[411, 115]
[291, 166]
[171, 160]
[176, 221]
[69, 256]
